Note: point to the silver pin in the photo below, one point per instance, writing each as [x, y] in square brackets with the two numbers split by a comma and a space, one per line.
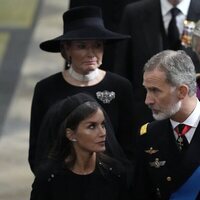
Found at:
[157, 163]
[151, 151]
[180, 143]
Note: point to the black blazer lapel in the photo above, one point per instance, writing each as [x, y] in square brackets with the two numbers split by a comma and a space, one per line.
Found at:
[192, 158]
[193, 15]
[194, 11]
[190, 162]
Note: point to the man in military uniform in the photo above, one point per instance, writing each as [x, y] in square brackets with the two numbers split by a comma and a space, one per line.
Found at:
[168, 153]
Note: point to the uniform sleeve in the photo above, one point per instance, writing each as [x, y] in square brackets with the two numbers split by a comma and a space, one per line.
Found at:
[142, 187]
[126, 192]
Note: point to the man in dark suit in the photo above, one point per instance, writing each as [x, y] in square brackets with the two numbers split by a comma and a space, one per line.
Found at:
[168, 157]
[147, 22]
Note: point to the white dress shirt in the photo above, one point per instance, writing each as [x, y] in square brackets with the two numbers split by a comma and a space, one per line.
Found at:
[183, 6]
[192, 120]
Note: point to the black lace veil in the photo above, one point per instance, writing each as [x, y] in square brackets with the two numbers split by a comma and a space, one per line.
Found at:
[56, 116]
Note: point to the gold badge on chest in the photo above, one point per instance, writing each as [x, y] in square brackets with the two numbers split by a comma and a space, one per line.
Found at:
[157, 163]
[151, 151]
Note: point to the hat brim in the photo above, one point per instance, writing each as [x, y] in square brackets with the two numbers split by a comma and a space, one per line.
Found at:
[82, 34]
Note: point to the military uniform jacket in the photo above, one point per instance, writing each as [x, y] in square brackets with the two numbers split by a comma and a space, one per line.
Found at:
[143, 22]
[161, 169]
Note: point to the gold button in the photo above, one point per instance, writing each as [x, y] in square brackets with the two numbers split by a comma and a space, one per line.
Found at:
[169, 178]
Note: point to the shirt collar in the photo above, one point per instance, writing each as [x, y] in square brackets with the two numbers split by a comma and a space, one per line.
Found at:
[192, 120]
[183, 6]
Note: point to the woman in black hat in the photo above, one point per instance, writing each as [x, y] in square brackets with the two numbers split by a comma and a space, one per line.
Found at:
[81, 45]
[77, 167]
[112, 11]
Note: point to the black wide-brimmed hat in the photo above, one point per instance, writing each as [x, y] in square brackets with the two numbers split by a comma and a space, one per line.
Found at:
[82, 23]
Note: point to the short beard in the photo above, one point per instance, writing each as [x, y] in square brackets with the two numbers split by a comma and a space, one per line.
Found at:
[168, 112]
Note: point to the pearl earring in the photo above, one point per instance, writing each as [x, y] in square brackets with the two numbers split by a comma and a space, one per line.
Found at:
[69, 62]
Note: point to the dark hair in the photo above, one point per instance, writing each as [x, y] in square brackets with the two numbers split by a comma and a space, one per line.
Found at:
[54, 147]
[63, 146]
[82, 112]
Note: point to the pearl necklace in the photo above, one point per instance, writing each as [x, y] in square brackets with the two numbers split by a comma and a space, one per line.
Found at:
[80, 77]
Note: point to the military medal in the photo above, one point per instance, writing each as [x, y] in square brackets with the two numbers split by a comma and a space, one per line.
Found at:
[180, 143]
[157, 163]
[181, 130]
[151, 151]
[187, 33]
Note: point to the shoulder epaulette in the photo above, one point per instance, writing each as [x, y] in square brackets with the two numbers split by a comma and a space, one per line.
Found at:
[143, 129]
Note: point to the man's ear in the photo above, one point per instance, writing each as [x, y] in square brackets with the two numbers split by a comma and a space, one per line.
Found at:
[70, 135]
[183, 90]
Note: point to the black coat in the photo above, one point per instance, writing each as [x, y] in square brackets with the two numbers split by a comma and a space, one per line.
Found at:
[52, 89]
[143, 21]
[54, 182]
[162, 181]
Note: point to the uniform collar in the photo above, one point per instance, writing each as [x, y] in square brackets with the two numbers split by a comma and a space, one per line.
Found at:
[192, 120]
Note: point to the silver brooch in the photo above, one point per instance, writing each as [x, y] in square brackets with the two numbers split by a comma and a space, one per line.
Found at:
[157, 163]
[105, 96]
[151, 151]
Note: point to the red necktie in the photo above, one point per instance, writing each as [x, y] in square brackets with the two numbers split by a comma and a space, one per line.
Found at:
[181, 130]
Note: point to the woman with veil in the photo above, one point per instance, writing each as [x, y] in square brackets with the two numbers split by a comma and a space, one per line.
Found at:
[82, 47]
[83, 159]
